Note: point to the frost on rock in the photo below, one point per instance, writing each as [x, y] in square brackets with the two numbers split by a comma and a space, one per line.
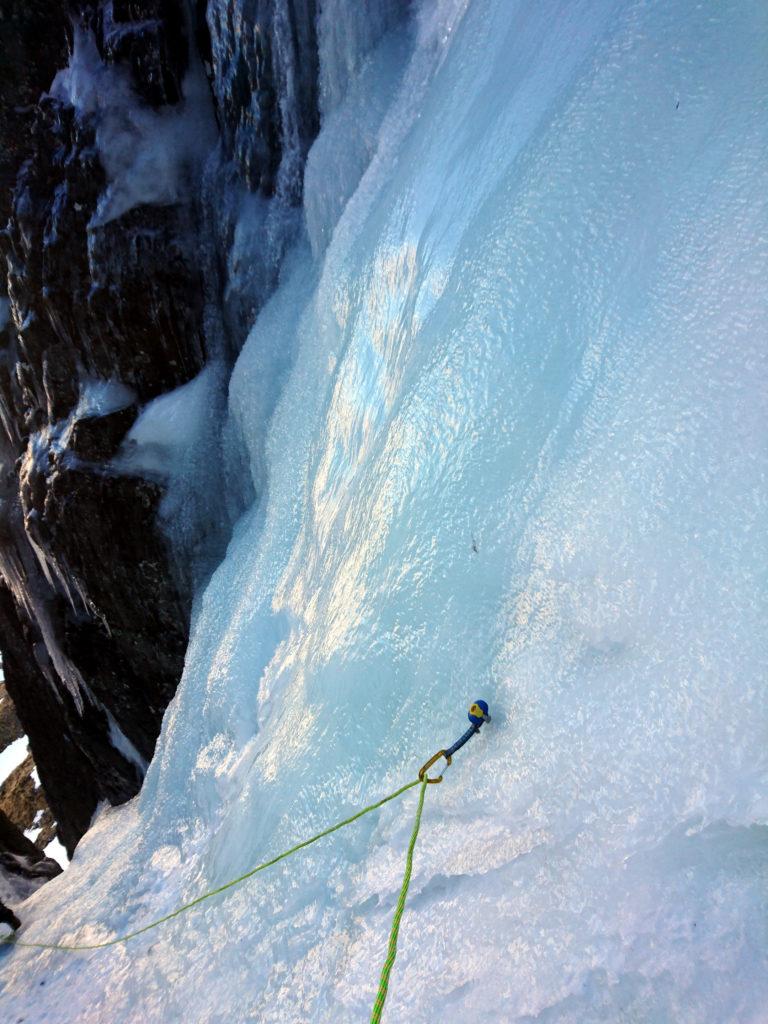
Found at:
[516, 453]
[23, 868]
[149, 155]
[106, 299]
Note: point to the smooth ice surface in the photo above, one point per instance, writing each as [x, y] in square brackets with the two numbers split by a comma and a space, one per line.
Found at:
[507, 425]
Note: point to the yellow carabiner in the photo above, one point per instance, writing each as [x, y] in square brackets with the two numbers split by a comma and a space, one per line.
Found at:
[430, 762]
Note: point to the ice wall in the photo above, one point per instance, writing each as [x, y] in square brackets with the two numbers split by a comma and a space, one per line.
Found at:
[507, 418]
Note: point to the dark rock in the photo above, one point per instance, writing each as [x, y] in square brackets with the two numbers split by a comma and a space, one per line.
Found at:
[59, 381]
[25, 805]
[148, 36]
[70, 741]
[20, 856]
[23, 868]
[202, 33]
[97, 438]
[93, 615]
[122, 300]
[254, 53]
[46, 250]
[10, 726]
[145, 301]
[34, 48]
[130, 646]
[7, 916]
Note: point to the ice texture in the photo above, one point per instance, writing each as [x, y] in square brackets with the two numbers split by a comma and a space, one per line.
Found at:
[506, 425]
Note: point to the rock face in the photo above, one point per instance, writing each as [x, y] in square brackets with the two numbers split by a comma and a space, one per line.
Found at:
[93, 621]
[10, 726]
[261, 52]
[21, 798]
[25, 805]
[39, 30]
[114, 290]
[23, 869]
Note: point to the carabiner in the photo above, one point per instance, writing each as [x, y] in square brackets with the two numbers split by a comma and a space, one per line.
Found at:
[430, 762]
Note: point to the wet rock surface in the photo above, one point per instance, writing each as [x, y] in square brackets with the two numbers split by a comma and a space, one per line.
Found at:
[149, 37]
[261, 51]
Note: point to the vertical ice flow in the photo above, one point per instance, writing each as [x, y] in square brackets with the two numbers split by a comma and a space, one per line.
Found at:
[518, 452]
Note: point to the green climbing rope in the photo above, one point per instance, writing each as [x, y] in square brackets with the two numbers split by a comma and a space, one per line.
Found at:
[386, 970]
[11, 940]
[478, 714]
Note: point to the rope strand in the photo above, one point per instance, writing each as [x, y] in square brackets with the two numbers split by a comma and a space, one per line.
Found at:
[381, 995]
[478, 714]
[11, 940]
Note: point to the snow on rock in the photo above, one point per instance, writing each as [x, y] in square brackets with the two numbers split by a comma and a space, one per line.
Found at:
[170, 426]
[13, 755]
[55, 850]
[105, 284]
[518, 454]
[23, 868]
[149, 155]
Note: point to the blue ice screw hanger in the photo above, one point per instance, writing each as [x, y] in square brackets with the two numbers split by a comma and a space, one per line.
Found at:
[478, 713]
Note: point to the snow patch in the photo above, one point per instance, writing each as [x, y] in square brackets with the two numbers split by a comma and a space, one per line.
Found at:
[13, 755]
[99, 398]
[150, 156]
[169, 427]
[56, 851]
[176, 440]
[121, 743]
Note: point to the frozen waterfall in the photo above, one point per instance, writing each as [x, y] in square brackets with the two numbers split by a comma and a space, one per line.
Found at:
[505, 417]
